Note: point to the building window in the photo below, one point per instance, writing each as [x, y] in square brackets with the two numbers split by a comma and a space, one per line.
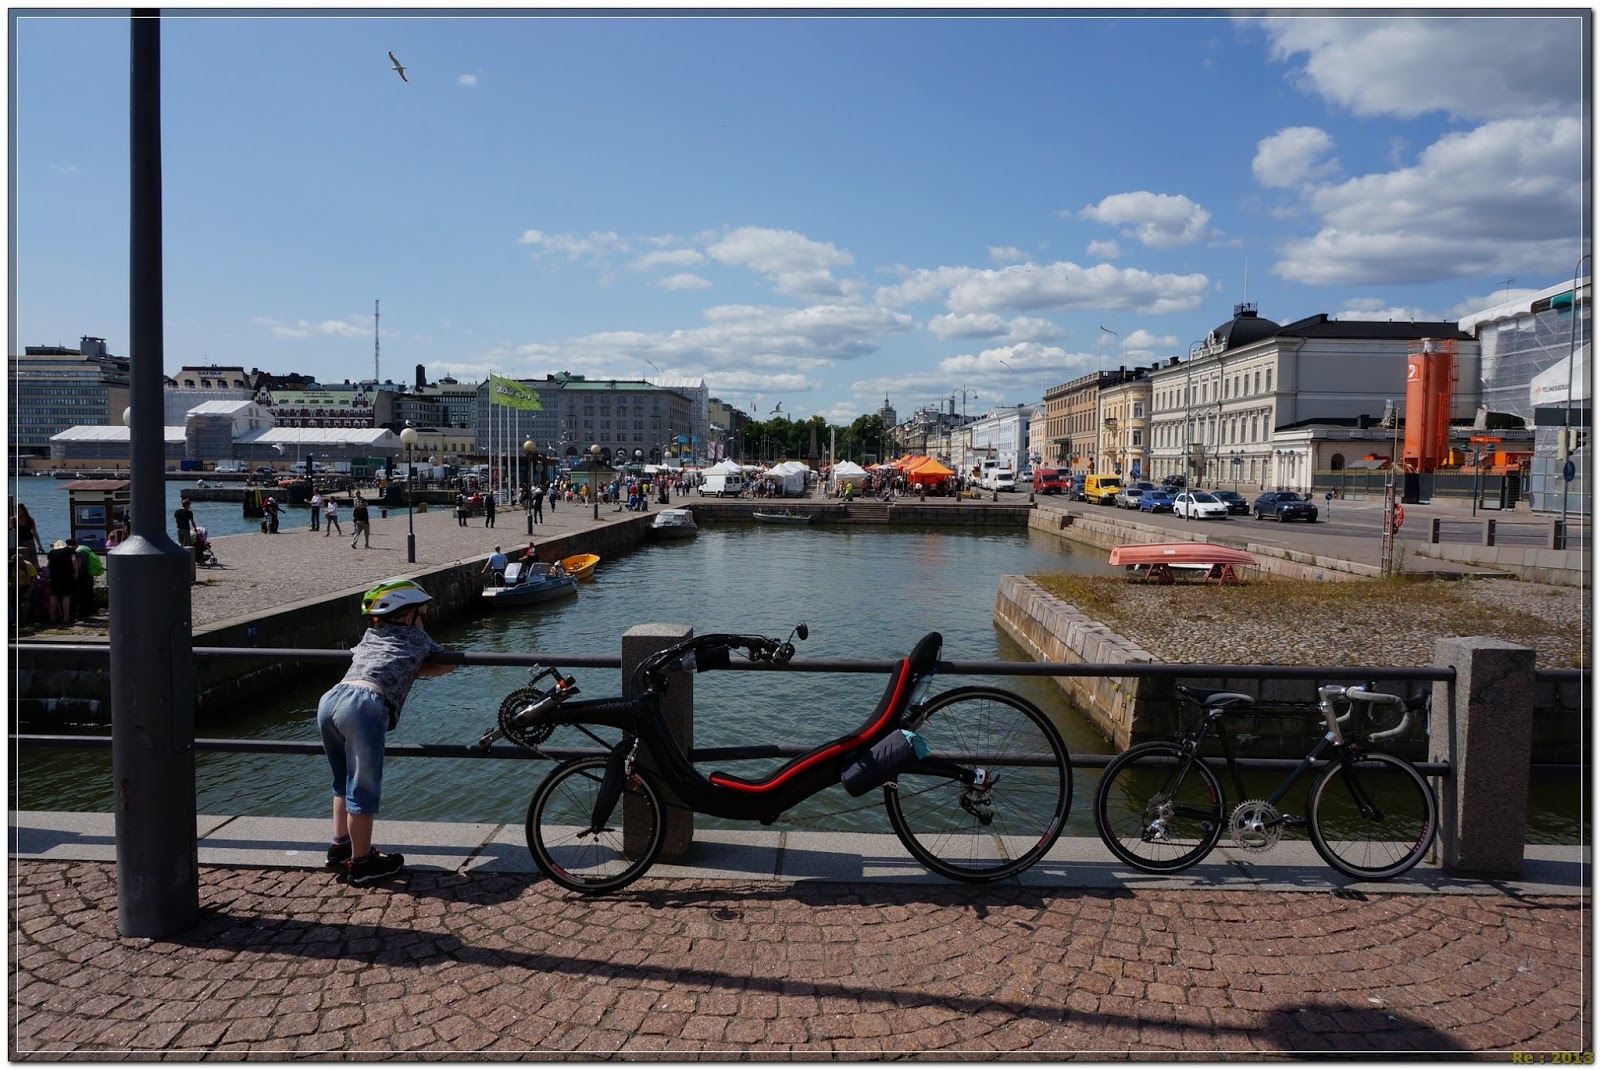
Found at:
[1269, 380]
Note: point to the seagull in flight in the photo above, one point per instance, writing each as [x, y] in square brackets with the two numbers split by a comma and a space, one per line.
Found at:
[776, 408]
[401, 71]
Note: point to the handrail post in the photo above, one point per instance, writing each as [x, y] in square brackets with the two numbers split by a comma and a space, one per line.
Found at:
[1483, 727]
[677, 706]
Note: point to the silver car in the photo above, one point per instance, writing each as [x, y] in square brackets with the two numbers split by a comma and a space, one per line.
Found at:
[1198, 505]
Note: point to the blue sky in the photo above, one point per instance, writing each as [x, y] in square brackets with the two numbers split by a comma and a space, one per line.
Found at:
[812, 211]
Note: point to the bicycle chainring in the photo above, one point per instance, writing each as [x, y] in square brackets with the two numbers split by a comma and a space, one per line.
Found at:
[1255, 826]
[529, 736]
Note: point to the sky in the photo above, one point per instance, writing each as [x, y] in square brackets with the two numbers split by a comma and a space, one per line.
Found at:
[813, 213]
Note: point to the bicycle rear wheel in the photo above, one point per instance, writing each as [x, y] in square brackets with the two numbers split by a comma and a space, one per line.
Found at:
[572, 856]
[1373, 817]
[1158, 808]
[990, 831]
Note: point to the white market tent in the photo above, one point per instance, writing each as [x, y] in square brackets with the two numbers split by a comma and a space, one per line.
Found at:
[848, 473]
[790, 477]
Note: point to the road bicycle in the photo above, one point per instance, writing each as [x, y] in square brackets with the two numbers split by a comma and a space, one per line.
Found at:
[976, 780]
[1370, 814]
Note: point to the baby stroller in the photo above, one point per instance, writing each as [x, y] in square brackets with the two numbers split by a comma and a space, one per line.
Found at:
[204, 555]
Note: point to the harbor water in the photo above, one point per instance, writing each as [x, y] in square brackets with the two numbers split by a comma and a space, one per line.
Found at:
[867, 594]
[46, 500]
[864, 593]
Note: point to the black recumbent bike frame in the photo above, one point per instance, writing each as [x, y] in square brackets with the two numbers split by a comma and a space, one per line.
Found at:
[976, 781]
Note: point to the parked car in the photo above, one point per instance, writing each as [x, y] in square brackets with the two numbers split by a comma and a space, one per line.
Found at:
[266, 470]
[1198, 505]
[1128, 497]
[1235, 501]
[1155, 501]
[1178, 481]
[1075, 488]
[1284, 505]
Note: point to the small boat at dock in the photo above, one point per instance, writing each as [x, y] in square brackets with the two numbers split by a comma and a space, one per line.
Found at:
[674, 524]
[1157, 559]
[786, 516]
[529, 583]
[580, 566]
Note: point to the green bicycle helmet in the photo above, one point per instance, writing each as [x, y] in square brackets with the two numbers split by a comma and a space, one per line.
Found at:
[391, 597]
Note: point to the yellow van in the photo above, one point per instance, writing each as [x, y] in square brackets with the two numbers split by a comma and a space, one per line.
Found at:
[1101, 490]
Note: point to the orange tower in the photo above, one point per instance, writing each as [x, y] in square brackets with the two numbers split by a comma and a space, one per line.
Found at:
[1430, 384]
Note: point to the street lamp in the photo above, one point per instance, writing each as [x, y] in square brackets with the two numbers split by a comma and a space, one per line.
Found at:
[408, 438]
[528, 449]
[594, 478]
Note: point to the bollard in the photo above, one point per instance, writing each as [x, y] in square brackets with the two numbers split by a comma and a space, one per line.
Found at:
[1482, 724]
[677, 706]
[1558, 535]
[1488, 532]
[1433, 530]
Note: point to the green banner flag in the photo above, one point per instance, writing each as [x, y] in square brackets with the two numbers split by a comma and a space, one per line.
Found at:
[513, 395]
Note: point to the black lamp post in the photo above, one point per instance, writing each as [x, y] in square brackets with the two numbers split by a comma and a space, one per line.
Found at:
[594, 478]
[527, 483]
[408, 436]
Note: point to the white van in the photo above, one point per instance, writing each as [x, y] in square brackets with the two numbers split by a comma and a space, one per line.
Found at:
[720, 483]
[998, 479]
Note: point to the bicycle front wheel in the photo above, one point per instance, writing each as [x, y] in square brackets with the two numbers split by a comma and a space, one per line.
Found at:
[559, 836]
[989, 831]
[1158, 808]
[1372, 817]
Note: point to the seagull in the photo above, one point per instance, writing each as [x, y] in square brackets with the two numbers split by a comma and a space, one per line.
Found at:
[401, 71]
[776, 408]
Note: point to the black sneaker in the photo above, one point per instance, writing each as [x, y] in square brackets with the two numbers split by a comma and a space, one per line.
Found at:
[374, 867]
[338, 855]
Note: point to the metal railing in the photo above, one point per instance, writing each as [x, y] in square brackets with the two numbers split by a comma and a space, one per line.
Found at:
[1421, 674]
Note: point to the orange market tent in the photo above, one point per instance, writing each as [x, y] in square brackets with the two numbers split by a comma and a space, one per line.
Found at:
[929, 471]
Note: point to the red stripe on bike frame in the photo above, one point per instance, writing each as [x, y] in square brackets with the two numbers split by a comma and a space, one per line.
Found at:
[831, 752]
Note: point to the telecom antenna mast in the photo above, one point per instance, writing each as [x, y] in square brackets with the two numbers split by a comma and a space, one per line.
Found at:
[376, 379]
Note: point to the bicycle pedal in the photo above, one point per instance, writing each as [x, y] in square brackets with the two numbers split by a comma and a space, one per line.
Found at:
[1293, 821]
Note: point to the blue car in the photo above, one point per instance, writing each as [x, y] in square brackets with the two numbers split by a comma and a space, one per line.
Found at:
[1155, 501]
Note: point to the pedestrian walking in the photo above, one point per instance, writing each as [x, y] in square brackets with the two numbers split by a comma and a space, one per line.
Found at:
[331, 515]
[461, 508]
[183, 517]
[538, 505]
[356, 715]
[488, 510]
[271, 509]
[316, 509]
[363, 524]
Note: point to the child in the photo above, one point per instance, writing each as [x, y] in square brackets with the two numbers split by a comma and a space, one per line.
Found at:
[357, 714]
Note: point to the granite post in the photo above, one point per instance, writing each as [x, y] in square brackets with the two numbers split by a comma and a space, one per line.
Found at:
[677, 706]
[1483, 726]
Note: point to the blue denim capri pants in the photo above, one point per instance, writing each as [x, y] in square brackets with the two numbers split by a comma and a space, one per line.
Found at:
[354, 722]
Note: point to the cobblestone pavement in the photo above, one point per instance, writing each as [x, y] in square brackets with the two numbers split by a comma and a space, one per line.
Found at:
[437, 965]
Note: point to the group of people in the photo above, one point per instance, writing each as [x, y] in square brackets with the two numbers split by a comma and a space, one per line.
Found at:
[60, 588]
[324, 517]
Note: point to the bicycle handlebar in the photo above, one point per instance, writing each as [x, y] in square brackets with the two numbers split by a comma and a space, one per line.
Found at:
[1364, 693]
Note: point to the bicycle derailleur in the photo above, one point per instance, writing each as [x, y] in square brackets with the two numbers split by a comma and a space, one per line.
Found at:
[1255, 825]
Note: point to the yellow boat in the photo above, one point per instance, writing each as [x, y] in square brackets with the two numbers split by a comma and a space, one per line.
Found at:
[580, 566]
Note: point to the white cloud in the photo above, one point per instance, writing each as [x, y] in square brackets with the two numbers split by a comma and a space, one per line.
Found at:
[1294, 156]
[991, 325]
[1104, 250]
[1005, 254]
[576, 247]
[468, 80]
[1159, 220]
[793, 263]
[684, 280]
[1062, 285]
[1499, 198]
[1473, 67]
[310, 329]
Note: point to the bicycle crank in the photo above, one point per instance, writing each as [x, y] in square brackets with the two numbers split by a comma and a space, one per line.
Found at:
[1255, 825]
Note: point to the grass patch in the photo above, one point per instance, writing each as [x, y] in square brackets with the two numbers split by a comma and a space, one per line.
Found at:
[1420, 609]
